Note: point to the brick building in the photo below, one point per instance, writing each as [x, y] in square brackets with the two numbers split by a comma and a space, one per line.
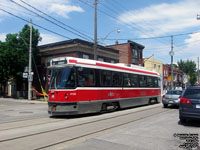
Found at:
[130, 52]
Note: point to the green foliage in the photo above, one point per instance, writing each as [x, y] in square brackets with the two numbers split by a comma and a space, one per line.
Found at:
[189, 68]
[14, 53]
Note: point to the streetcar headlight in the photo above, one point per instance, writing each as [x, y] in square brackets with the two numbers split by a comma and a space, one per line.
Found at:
[66, 96]
[52, 95]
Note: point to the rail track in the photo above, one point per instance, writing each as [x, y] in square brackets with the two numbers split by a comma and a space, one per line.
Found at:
[87, 126]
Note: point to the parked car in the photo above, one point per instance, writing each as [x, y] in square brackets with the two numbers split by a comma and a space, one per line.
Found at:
[189, 107]
[171, 97]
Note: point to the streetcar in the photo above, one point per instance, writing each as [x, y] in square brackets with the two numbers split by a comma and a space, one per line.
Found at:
[81, 86]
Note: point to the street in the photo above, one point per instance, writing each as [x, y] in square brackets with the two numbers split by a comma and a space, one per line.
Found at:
[27, 125]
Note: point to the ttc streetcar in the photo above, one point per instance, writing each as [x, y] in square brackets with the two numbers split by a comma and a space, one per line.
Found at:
[80, 86]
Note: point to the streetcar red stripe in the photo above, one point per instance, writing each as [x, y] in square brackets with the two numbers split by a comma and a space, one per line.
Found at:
[129, 69]
[112, 66]
[72, 61]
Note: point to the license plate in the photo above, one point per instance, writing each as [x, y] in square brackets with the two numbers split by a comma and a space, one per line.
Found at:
[169, 96]
[53, 108]
[197, 105]
[171, 102]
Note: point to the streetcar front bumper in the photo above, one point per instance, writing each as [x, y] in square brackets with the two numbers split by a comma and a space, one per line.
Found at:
[59, 108]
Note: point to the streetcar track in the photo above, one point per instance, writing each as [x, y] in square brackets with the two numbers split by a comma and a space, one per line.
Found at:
[71, 126]
[34, 118]
[32, 125]
[101, 130]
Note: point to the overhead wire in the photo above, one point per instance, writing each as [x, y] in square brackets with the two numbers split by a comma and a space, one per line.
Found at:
[130, 26]
[35, 24]
[18, 10]
[48, 19]
[56, 20]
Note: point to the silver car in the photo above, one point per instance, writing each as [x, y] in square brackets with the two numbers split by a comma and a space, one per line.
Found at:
[171, 97]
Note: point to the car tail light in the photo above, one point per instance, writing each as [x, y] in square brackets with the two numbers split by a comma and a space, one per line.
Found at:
[185, 100]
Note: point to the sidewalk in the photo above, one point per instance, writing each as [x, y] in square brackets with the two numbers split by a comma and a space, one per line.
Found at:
[41, 100]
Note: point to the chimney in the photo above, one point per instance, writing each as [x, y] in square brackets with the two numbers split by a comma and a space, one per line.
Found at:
[116, 42]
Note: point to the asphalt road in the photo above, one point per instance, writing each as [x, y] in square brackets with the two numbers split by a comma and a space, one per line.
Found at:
[26, 125]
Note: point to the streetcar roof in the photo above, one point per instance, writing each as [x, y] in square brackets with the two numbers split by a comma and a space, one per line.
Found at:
[63, 61]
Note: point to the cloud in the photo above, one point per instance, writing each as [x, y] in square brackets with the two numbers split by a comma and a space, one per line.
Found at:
[3, 36]
[64, 10]
[163, 18]
[48, 38]
[191, 48]
[53, 7]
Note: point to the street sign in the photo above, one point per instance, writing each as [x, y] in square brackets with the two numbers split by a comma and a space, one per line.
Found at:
[25, 75]
[30, 78]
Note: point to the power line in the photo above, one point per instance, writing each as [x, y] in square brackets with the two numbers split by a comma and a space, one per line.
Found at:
[155, 37]
[48, 20]
[17, 10]
[56, 19]
[34, 24]
[131, 26]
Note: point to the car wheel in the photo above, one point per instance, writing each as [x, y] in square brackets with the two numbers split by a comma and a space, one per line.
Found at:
[165, 105]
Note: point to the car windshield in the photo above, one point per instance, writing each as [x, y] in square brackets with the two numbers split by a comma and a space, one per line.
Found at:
[192, 93]
[62, 78]
[174, 92]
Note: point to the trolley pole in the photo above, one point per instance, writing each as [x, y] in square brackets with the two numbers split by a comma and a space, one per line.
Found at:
[30, 76]
[171, 53]
[95, 29]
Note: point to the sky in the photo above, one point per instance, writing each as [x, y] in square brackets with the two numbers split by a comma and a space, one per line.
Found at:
[150, 23]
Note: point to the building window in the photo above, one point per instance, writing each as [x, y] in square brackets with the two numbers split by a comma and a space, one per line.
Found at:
[112, 61]
[158, 68]
[140, 55]
[134, 56]
[100, 59]
[154, 67]
[86, 56]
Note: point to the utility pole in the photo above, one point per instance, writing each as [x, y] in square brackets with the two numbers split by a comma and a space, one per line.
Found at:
[198, 69]
[95, 29]
[171, 53]
[30, 76]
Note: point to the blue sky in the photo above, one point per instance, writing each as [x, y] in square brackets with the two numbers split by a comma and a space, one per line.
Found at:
[135, 19]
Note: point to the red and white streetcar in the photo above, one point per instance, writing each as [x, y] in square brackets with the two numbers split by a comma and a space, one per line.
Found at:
[80, 86]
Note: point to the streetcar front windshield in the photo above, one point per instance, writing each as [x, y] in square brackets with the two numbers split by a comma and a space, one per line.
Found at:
[62, 78]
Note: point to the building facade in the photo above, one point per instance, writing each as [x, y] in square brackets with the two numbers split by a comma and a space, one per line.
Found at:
[153, 65]
[130, 52]
[77, 48]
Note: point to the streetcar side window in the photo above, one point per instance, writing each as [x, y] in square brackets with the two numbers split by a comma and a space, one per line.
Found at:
[159, 83]
[155, 82]
[134, 80]
[142, 81]
[149, 81]
[127, 80]
[116, 79]
[106, 78]
[86, 77]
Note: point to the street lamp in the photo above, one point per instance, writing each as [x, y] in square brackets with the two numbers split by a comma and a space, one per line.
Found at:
[198, 17]
[118, 31]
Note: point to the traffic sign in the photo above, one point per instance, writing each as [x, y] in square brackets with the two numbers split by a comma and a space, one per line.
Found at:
[25, 75]
[30, 78]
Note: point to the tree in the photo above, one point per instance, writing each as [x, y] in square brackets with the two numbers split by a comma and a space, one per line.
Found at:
[189, 68]
[14, 54]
